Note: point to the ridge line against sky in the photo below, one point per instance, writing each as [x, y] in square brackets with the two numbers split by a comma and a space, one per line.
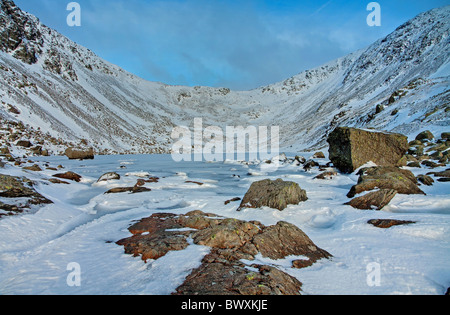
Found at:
[239, 44]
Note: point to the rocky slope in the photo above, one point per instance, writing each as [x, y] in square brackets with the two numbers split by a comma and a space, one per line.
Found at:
[400, 83]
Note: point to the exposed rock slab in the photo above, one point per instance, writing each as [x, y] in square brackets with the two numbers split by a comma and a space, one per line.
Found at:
[223, 271]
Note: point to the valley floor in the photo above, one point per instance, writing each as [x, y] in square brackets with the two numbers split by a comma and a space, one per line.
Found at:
[83, 225]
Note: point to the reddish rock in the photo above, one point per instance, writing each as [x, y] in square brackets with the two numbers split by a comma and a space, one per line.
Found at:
[134, 190]
[69, 175]
[231, 240]
[387, 223]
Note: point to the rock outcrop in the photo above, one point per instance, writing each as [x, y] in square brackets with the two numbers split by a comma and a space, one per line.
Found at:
[351, 148]
[231, 241]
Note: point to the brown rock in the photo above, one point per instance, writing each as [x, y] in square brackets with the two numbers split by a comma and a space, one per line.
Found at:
[75, 154]
[192, 182]
[432, 164]
[386, 177]
[134, 190]
[223, 271]
[326, 175]
[219, 277]
[425, 179]
[445, 173]
[4, 151]
[376, 200]
[109, 176]
[274, 194]
[414, 164]
[351, 148]
[229, 233]
[318, 155]
[24, 143]
[69, 175]
[387, 223]
[232, 200]
[425, 136]
[34, 168]
[57, 181]
[285, 239]
[21, 187]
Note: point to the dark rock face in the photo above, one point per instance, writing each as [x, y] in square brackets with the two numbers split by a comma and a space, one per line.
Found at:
[74, 154]
[274, 194]
[231, 240]
[351, 148]
[400, 180]
[19, 34]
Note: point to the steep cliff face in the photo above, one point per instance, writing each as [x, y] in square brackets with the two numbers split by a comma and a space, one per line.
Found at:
[400, 83]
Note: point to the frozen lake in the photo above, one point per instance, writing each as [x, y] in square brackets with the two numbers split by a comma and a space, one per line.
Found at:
[83, 225]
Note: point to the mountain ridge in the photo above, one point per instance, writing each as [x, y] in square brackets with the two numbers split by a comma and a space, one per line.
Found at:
[61, 87]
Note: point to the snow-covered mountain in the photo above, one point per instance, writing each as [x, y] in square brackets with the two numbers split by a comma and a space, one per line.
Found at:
[48, 82]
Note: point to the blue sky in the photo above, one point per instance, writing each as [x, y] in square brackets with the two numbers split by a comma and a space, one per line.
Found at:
[240, 44]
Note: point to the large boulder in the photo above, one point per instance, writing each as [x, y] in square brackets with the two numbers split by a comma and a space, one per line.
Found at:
[386, 177]
[350, 148]
[376, 200]
[425, 136]
[76, 154]
[276, 194]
